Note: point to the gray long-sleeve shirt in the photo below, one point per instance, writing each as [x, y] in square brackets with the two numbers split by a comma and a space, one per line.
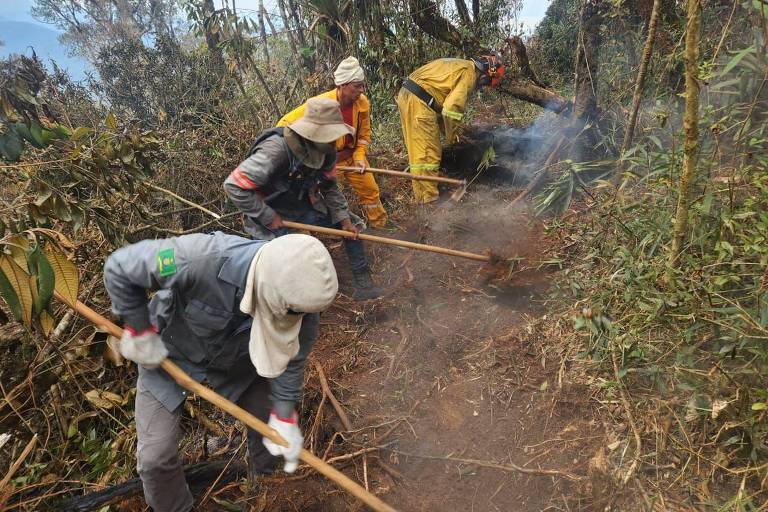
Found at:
[199, 282]
[268, 181]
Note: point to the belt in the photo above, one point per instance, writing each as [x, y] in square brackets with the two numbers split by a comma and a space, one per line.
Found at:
[412, 87]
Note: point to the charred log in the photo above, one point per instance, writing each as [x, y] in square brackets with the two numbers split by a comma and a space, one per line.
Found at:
[532, 93]
[199, 476]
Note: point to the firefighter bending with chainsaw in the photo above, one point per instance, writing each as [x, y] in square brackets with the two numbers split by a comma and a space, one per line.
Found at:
[351, 149]
[290, 174]
[241, 314]
[435, 96]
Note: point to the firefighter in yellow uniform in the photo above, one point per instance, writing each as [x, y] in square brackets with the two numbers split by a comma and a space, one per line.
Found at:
[433, 96]
[351, 149]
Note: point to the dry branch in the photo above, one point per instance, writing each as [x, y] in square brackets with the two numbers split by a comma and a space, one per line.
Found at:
[327, 390]
[12, 470]
[490, 464]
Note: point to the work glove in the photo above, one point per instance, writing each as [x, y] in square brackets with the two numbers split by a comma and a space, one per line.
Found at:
[288, 428]
[144, 348]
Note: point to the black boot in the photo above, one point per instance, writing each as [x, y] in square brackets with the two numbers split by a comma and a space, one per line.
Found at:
[364, 287]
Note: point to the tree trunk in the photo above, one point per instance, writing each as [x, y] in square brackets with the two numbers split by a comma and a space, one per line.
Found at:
[427, 17]
[517, 48]
[461, 7]
[268, 17]
[585, 87]
[308, 60]
[582, 127]
[690, 127]
[532, 93]
[629, 131]
[212, 38]
[288, 31]
[263, 33]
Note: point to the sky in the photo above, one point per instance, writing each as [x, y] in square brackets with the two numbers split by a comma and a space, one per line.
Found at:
[20, 31]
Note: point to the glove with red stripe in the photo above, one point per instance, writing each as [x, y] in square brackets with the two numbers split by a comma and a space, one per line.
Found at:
[288, 428]
[144, 348]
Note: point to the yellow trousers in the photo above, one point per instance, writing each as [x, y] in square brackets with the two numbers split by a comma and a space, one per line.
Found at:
[367, 191]
[421, 134]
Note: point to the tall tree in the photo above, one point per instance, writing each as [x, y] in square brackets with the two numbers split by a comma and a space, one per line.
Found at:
[212, 36]
[629, 130]
[690, 127]
[89, 26]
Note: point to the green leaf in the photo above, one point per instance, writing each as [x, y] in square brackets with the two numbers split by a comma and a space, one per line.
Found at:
[759, 406]
[43, 272]
[736, 59]
[11, 146]
[80, 132]
[10, 296]
[37, 139]
[60, 132]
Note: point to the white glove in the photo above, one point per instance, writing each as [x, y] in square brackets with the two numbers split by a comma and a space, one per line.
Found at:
[288, 430]
[144, 348]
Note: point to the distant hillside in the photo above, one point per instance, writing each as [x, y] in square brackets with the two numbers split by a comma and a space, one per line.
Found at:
[22, 37]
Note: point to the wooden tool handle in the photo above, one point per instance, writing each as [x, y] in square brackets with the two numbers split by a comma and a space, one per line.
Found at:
[389, 241]
[407, 175]
[222, 403]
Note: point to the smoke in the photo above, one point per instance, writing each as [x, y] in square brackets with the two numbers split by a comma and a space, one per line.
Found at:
[521, 151]
[483, 220]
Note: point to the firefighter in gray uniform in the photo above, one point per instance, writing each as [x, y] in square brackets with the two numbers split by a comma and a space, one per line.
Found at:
[290, 173]
[242, 314]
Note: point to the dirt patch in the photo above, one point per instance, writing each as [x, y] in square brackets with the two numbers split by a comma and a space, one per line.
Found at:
[440, 374]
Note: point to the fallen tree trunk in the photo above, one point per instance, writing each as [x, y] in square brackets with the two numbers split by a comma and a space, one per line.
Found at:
[532, 93]
[199, 477]
[519, 85]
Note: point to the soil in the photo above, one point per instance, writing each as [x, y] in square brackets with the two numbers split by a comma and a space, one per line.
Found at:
[445, 366]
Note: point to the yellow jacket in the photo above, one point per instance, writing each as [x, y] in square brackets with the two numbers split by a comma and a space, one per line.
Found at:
[450, 82]
[361, 122]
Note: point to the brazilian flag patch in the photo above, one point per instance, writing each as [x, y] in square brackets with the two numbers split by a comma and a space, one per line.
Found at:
[166, 262]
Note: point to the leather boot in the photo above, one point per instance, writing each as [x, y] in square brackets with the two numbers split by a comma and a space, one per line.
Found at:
[364, 287]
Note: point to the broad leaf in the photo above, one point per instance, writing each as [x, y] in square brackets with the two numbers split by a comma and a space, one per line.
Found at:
[19, 246]
[46, 323]
[111, 122]
[19, 281]
[67, 278]
[80, 133]
[44, 277]
[9, 295]
[736, 59]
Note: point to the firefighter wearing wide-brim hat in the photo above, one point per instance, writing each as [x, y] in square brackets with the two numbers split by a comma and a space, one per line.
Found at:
[433, 96]
[290, 173]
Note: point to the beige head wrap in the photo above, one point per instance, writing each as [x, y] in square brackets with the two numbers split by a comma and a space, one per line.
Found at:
[293, 272]
[348, 71]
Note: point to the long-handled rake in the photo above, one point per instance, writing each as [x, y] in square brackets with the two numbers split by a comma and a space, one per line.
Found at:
[456, 196]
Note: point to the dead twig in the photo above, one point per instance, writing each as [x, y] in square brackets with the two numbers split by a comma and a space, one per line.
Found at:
[12, 470]
[630, 418]
[327, 390]
[489, 464]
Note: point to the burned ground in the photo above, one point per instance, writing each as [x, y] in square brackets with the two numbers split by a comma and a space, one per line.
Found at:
[451, 393]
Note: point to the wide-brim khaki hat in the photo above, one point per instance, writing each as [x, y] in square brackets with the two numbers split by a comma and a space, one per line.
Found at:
[322, 121]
